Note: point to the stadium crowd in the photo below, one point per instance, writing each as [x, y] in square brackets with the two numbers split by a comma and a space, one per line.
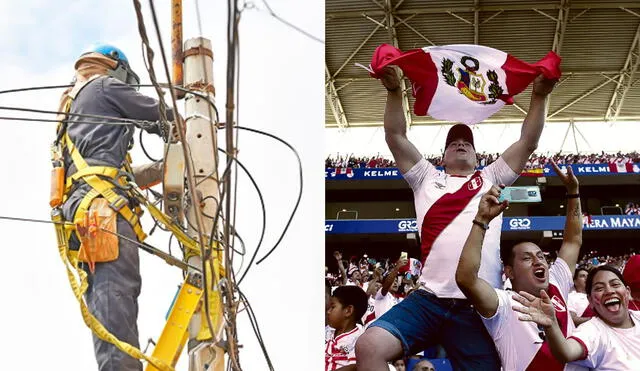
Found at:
[632, 208]
[535, 161]
[376, 285]
[371, 287]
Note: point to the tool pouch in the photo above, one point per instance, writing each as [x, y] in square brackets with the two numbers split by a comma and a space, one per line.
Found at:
[97, 245]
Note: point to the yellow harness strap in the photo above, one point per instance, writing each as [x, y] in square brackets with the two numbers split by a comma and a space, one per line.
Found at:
[100, 187]
[79, 286]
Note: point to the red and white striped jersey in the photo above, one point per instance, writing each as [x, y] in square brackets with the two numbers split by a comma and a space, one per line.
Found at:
[447, 204]
[340, 351]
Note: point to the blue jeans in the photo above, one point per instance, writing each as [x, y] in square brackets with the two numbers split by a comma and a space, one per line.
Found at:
[423, 320]
[112, 297]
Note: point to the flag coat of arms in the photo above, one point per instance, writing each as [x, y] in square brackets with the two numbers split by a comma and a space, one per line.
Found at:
[463, 83]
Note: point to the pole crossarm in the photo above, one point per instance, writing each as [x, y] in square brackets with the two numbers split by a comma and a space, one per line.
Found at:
[625, 80]
[334, 101]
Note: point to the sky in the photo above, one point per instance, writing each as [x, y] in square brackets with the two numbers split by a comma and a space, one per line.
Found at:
[281, 91]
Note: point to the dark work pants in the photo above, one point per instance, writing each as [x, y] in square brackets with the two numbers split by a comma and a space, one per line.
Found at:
[112, 297]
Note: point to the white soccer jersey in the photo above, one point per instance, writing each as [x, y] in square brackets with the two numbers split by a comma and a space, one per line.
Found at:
[441, 260]
[384, 302]
[370, 314]
[607, 348]
[340, 351]
[577, 302]
[519, 343]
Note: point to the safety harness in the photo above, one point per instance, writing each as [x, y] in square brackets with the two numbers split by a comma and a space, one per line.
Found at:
[102, 180]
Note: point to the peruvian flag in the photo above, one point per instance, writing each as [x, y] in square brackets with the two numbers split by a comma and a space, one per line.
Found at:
[463, 83]
[343, 170]
[621, 168]
[413, 266]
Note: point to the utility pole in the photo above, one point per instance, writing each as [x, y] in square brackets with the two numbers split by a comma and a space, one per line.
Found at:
[193, 70]
[204, 343]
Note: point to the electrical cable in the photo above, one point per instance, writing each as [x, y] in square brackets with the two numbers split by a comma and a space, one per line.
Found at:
[113, 120]
[299, 170]
[239, 127]
[145, 150]
[32, 88]
[168, 258]
[30, 119]
[232, 36]
[256, 328]
[231, 158]
[190, 174]
[236, 131]
[284, 21]
[295, 208]
[297, 204]
[264, 214]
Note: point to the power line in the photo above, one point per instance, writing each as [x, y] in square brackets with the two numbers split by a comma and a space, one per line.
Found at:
[291, 25]
[113, 120]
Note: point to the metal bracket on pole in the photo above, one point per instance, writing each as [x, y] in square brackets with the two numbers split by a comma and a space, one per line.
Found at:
[173, 182]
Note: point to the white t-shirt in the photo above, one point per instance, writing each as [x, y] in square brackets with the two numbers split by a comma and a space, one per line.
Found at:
[519, 343]
[370, 314]
[577, 302]
[440, 263]
[607, 348]
[340, 351]
[384, 302]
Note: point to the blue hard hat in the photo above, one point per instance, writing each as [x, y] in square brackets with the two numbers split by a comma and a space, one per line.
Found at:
[109, 51]
[123, 71]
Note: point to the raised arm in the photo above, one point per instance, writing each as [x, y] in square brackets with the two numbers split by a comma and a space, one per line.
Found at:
[343, 271]
[481, 294]
[393, 274]
[517, 154]
[577, 320]
[148, 175]
[377, 277]
[572, 240]
[540, 311]
[395, 127]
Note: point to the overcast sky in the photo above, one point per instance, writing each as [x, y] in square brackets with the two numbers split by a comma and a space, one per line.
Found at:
[281, 91]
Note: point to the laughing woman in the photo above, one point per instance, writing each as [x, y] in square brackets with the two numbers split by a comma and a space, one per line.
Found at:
[609, 341]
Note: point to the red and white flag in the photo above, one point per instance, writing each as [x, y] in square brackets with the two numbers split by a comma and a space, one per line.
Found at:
[343, 170]
[618, 167]
[463, 83]
[413, 266]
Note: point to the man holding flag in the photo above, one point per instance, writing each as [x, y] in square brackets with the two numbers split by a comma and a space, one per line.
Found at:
[446, 202]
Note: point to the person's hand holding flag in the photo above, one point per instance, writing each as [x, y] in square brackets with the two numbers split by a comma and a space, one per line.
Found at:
[463, 83]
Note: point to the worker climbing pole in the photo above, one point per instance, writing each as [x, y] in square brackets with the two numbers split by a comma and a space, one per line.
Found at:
[97, 200]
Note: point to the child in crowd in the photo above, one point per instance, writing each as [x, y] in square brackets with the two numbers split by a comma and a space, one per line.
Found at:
[347, 306]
